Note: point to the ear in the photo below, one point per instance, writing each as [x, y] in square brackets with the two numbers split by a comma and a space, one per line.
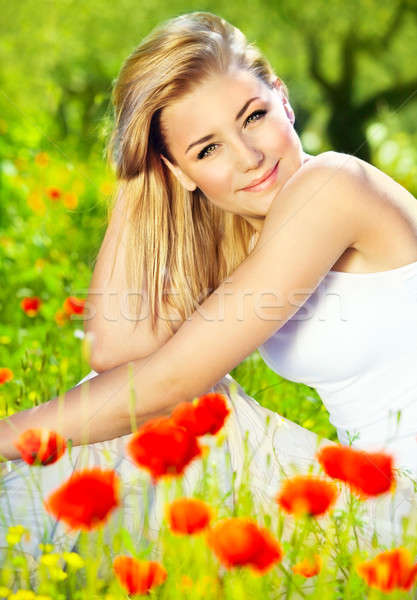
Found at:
[185, 181]
[285, 102]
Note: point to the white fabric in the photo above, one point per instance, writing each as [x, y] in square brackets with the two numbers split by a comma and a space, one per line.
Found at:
[355, 341]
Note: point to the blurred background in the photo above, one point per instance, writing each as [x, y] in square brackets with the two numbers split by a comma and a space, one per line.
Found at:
[351, 70]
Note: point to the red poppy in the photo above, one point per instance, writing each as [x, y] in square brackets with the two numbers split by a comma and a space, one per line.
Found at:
[308, 567]
[305, 494]
[240, 542]
[6, 375]
[74, 306]
[369, 473]
[54, 193]
[188, 515]
[86, 499]
[31, 305]
[163, 447]
[40, 446]
[138, 576]
[389, 570]
[207, 415]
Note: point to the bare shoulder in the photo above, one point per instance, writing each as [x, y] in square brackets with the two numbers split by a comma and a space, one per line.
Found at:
[389, 214]
[331, 184]
[378, 190]
[336, 168]
[331, 169]
[383, 213]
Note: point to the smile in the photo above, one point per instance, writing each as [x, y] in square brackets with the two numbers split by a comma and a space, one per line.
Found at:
[265, 183]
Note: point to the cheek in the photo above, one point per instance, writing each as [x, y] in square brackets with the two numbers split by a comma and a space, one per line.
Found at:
[279, 136]
[217, 180]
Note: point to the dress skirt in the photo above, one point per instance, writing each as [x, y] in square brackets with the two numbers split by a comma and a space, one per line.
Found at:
[258, 445]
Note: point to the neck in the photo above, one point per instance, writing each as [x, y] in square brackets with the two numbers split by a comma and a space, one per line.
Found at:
[256, 222]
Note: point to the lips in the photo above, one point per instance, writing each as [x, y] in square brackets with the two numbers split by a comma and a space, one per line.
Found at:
[261, 179]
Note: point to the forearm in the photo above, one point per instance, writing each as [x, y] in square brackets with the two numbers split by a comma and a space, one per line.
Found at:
[110, 405]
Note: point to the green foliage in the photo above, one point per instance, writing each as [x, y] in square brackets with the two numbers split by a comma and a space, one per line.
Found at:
[344, 63]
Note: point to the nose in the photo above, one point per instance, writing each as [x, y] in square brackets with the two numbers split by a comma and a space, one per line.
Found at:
[249, 155]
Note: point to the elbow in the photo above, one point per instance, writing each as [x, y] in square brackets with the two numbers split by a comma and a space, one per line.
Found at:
[97, 363]
[94, 358]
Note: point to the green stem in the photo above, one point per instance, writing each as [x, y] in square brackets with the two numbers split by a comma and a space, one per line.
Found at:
[291, 583]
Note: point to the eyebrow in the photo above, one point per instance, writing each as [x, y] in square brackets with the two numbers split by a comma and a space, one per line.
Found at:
[208, 137]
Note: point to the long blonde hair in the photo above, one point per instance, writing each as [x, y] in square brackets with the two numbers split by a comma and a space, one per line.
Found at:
[180, 247]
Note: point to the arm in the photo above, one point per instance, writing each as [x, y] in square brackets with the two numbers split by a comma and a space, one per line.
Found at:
[99, 409]
[319, 213]
[115, 339]
[292, 255]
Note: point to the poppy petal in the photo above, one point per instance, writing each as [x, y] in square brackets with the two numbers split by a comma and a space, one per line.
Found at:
[138, 576]
[305, 494]
[86, 499]
[40, 446]
[188, 515]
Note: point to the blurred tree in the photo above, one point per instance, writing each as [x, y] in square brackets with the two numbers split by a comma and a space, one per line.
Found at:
[347, 59]
[361, 55]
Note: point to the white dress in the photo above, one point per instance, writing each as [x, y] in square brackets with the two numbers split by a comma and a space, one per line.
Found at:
[355, 341]
[361, 362]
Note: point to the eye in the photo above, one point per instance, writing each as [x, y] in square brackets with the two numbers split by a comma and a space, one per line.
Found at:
[257, 113]
[204, 153]
[261, 114]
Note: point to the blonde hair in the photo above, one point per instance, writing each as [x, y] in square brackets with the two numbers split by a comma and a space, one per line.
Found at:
[180, 247]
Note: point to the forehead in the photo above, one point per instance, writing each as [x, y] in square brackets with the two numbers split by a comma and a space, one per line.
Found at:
[216, 100]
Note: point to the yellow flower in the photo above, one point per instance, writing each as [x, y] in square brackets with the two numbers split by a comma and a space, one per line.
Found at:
[32, 396]
[205, 582]
[5, 339]
[106, 188]
[36, 203]
[6, 241]
[15, 533]
[57, 574]
[64, 364]
[185, 583]
[23, 595]
[74, 560]
[61, 317]
[50, 560]
[4, 591]
[21, 163]
[221, 438]
[51, 563]
[42, 159]
[46, 547]
[70, 200]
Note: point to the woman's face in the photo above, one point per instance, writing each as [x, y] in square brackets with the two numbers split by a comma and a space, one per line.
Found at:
[247, 129]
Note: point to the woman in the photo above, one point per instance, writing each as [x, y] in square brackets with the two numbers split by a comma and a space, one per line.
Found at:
[227, 229]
